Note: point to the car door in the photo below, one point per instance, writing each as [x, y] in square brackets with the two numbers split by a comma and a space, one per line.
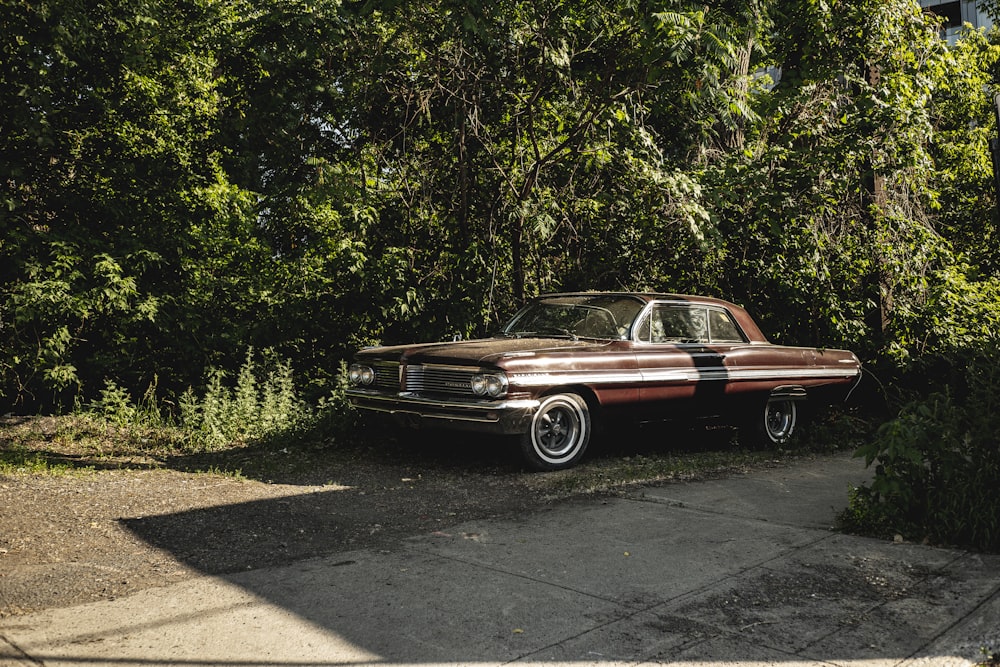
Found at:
[682, 370]
[756, 369]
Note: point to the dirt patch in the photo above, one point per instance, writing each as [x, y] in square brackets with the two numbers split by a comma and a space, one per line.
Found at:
[109, 525]
[97, 534]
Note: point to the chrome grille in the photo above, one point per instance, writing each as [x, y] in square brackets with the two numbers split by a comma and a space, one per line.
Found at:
[387, 375]
[439, 379]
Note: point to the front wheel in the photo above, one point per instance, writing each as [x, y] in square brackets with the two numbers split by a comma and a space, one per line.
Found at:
[559, 433]
[772, 426]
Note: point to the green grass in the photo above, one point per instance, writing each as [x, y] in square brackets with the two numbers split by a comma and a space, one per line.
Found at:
[18, 460]
[232, 421]
[87, 442]
[215, 471]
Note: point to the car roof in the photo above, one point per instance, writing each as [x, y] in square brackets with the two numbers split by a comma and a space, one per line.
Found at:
[746, 322]
[646, 296]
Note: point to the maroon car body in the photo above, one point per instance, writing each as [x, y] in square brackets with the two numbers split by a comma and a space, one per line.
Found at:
[566, 362]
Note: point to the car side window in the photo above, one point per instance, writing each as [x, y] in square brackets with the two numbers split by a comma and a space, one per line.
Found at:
[678, 324]
[723, 329]
[672, 324]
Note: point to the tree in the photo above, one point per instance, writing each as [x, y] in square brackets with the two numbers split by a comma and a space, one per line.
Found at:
[108, 158]
[526, 146]
[832, 207]
[183, 181]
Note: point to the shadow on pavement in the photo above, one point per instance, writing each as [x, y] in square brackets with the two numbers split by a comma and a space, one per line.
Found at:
[662, 577]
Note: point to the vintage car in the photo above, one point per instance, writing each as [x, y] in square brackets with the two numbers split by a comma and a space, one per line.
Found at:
[566, 363]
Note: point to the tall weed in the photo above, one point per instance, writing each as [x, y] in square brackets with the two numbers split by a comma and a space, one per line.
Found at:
[260, 404]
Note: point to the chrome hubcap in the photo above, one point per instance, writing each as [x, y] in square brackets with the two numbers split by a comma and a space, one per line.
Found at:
[780, 419]
[557, 431]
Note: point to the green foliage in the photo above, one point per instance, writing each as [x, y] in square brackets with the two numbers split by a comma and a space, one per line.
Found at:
[952, 312]
[61, 298]
[114, 405]
[829, 208]
[262, 405]
[938, 462]
[991, 7]
[107, 114]
[183, 181]
[963, 114]
[527, 155]
[18, 459]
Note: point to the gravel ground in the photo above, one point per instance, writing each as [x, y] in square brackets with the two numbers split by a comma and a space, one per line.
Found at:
[96, 533]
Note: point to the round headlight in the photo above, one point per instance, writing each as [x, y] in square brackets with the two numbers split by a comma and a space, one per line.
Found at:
[479, 384]
[360, 374]
[496, 385]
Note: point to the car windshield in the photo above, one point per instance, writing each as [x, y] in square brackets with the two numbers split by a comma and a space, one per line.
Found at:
[576, 316]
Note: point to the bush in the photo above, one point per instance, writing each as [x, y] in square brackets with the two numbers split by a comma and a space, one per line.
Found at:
[937, 475]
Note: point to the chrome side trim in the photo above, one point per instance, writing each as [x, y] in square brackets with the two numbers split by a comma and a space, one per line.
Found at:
[640, 376]
[546, 379]
[793, 373]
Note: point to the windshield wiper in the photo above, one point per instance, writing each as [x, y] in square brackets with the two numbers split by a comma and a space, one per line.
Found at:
[559, 332]
[541, 333]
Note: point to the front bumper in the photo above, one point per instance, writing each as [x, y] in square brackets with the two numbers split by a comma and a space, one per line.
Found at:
[484, 416]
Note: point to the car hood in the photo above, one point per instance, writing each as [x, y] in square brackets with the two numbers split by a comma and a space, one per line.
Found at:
[478, 351]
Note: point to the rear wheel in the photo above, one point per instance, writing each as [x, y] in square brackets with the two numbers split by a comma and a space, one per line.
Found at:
[559, 433]
[773, 425]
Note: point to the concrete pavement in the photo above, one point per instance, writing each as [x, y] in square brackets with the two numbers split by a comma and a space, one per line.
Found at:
[738, 571]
